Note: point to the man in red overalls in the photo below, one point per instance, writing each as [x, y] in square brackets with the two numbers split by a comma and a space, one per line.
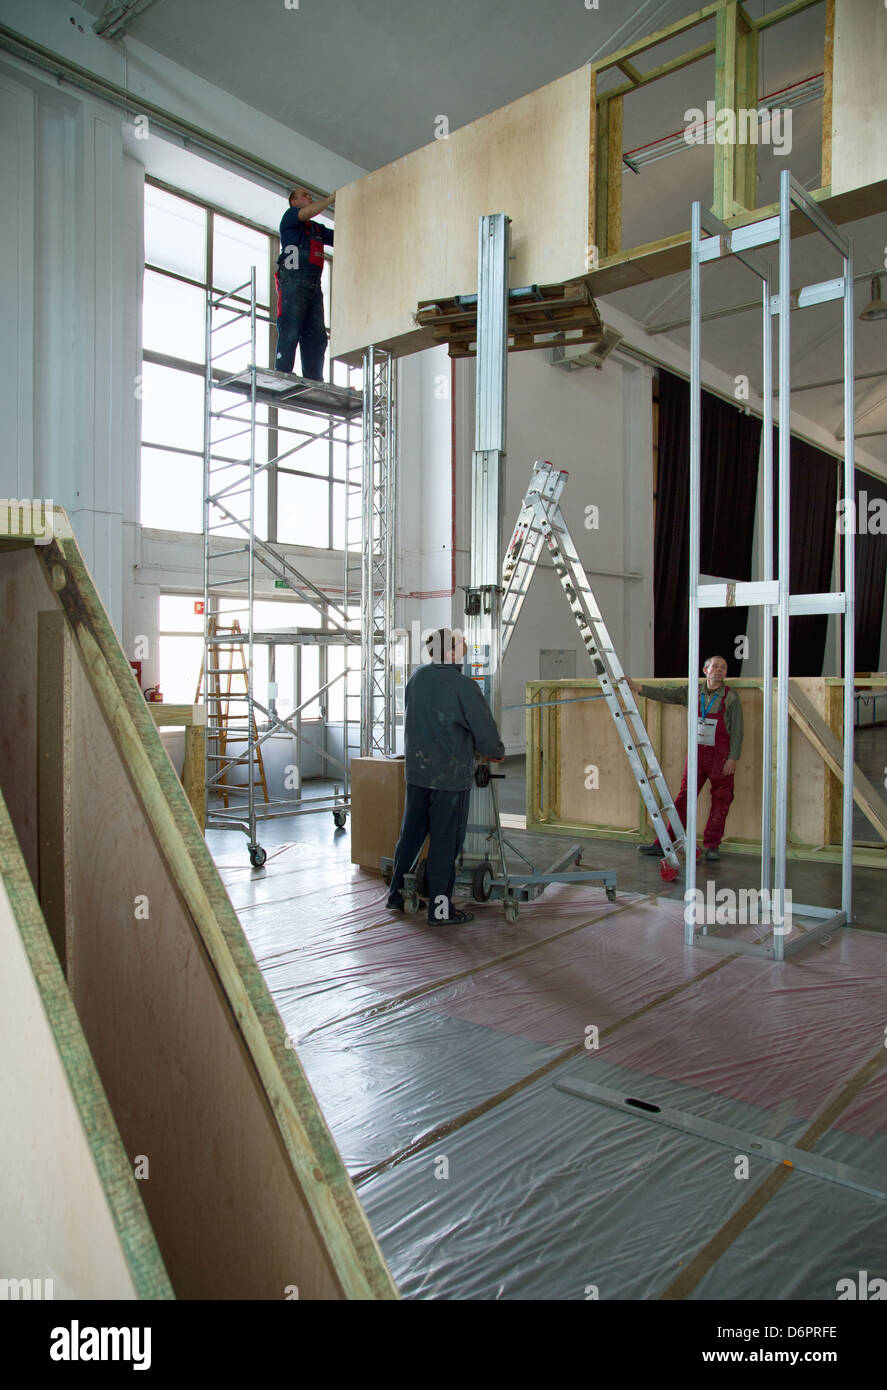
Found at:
[720, 744]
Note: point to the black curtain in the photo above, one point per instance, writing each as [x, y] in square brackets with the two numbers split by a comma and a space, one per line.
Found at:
[871, 571]
[813, 514]
[729, 452]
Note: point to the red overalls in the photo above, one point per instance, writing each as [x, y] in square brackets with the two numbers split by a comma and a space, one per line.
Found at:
[711, 768]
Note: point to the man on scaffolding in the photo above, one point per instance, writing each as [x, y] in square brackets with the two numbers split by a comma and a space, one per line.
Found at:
[447, 722]
[300, 316]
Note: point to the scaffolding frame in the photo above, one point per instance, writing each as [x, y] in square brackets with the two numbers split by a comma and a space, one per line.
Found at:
[771, 594]
[232, 566]
[377, 553]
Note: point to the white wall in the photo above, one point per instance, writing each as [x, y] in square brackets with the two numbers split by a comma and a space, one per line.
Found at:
[71, 222]
[596, 424]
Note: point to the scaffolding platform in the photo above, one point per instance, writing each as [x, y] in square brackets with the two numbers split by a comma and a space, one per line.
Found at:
[285, 391]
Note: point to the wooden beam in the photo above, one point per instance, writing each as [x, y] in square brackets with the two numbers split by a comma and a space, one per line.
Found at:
[614, 177]
[194, 771]
[53, 695]
[725, 100]
[670, 31]
[671, 255]
[167, 716]
[602, 177]
[592, 251]
[704, 50]
[796, 7]
[745, 187]
[631, 73]
[829, 748]
[834, 718]
[827, 81]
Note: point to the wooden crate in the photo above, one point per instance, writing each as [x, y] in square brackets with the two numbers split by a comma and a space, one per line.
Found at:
[565, 740]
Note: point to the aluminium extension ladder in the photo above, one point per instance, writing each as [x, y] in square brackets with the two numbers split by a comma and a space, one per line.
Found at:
[541, 521]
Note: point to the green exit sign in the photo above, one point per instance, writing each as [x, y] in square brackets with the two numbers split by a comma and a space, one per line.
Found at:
[281, 584]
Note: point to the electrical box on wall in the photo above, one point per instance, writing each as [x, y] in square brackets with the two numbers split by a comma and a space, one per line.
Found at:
[557, 665]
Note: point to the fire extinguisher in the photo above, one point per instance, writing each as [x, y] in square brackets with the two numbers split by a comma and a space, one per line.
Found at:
[153, 695]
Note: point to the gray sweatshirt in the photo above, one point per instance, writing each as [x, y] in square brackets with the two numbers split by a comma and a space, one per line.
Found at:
[677, 695]
[446, 720]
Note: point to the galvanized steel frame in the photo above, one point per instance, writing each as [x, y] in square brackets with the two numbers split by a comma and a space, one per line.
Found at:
[775, 599]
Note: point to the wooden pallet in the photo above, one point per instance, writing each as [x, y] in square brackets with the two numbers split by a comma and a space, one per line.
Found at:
[567, 311]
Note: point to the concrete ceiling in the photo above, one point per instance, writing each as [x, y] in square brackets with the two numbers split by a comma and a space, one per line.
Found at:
[368, 78]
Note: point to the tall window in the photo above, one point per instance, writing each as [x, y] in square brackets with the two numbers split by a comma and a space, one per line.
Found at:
[181, 655]
[189, 247]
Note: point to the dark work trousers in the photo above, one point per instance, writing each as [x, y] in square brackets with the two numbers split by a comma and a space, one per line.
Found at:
[300, 323]
[443, 817]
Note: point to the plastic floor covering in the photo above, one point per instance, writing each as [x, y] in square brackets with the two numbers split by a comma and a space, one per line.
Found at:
[437, 1055]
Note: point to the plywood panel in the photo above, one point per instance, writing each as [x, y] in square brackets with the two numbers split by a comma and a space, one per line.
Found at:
[859, 95]
[24, 592]
[247, 1193]
[807, 773]
[588, 739]
[170, 1061]
[70, 1209]
[409, 231]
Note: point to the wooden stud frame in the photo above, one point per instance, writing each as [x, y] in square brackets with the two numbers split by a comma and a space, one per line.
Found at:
[584, 733]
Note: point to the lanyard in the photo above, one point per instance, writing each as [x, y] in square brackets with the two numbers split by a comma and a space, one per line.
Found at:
[704, 708]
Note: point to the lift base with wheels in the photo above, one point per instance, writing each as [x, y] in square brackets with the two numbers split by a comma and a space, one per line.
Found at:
[485, 883]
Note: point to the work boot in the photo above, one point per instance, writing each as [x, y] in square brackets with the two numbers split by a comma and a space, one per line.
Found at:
[395, 902]
[712, 854]
[654, 848]
[455, 919]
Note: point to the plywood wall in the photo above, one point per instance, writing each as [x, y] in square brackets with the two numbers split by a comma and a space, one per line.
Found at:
[859, 97]
[70, 1209]
[408, 232]
[246, 1193]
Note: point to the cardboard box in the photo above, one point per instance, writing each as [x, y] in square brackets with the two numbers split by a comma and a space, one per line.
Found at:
[377, 797]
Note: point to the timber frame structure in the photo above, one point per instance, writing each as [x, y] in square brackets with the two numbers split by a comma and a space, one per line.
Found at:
[734, 46]
[562, 146]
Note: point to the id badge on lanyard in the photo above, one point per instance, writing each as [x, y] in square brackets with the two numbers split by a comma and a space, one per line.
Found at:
[706, 728]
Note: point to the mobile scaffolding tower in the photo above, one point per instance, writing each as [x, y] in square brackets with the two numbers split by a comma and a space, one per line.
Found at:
[771, 593]
[237, 559]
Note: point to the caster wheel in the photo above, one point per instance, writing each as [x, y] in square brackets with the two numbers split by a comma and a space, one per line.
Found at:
[611, 895]
[511, 910]
[667, 872]
[482, 882]
[339, 818]
[257, 856]
[422, 878]
[410, 903]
